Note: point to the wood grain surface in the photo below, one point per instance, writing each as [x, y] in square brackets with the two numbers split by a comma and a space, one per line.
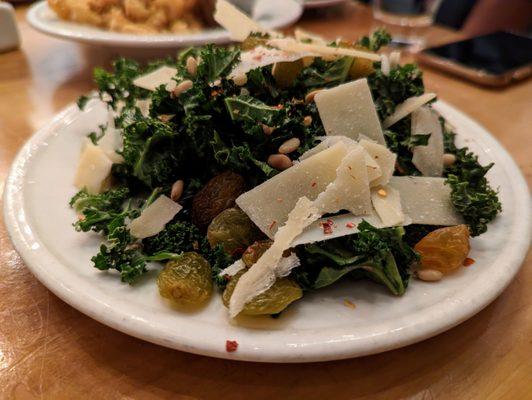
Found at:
[48, 350]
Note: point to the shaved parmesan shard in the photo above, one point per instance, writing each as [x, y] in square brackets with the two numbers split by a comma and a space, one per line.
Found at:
[94, 169]
[260, 57]
[302, 35]
[290, 44]
[144, 106]
[349, 110]
[154, 217]
[428, 159]
[233, 269]
[387, 204]
[268, 204]
[426, 200]
[342, 225]
[407, 107]
[156, 78]
[262, 275]
[239, 25]
[383, 157]
[350, 189]
[372, 167]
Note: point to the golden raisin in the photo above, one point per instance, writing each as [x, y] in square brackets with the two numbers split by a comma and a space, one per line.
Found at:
[444, 249]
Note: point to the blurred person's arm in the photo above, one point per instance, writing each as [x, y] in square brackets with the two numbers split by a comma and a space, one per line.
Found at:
[495, 15]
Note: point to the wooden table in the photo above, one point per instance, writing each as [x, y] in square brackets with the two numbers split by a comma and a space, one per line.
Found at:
[49, 350]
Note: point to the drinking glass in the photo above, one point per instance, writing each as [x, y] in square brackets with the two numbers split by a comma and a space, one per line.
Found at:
[407, 20]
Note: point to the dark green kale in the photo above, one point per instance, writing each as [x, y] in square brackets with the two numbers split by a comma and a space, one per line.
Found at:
[376, 40]
[323, 73]
[471, 193]
[153, 152]
[96, 211]
[379, 254]
[400, 140]
[388, 91]
[216, 62]
[177, 237]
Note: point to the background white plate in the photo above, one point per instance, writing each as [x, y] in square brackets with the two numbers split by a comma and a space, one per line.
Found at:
[319, 327]
[272, 14]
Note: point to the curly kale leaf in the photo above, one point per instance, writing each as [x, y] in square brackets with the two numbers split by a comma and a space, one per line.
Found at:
[177, 237]
[152, 152]
[388, 91]
[323, 73]
[97, 210]
[376, 40]
[217, 62]
[252, 111]
[379, 254]
[471, 193]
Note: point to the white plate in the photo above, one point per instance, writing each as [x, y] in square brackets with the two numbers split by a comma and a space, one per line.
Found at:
[272, 14]
[319, 327]
[322, 3]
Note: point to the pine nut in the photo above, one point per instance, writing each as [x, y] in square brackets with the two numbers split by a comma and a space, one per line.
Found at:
[309, 98]
[192, 66]
[183, 87]
[429, 275]
[382, 193]
[279, 162]
[448, 159]
[177, 190]
[307, 121]
[268, 130]
[289, 146]
[240, 79]
[165, 117]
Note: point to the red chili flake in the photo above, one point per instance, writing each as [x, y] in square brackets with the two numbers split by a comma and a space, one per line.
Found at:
[350, 225]
[280, 199]
[231, 345]
[468, 261]
[313, 184]
[272, 225]
[327, 226]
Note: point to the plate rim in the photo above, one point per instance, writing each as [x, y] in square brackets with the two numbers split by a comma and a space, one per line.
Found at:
[347, 348]
[117, 39]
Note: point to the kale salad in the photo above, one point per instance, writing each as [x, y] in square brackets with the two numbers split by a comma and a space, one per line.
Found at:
[275, 167]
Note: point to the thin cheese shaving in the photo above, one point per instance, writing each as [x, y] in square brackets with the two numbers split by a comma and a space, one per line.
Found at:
[262, 56]
[428, 159]
[303, 35]
[383, 157]
[290, 44]
[407, 107]
[94, 169]
[239, 25]
[426, 200]
[262, 275]
[387, 204]
[308, 178]
[349, 110]
[350, 190]
[156, 78]
[154, 217]
[233, 269]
